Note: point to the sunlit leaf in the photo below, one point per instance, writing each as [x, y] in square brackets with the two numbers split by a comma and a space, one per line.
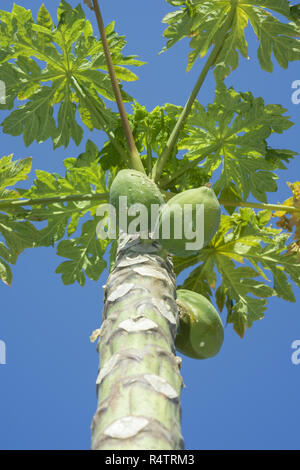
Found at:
[248, 254]
[236, 127]
[85, 255]
[61, 73]
[203, 23]
[14, 236]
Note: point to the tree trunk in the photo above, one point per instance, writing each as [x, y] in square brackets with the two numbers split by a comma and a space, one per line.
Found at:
[139, 382]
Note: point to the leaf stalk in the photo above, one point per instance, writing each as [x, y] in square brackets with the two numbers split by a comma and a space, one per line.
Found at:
[136, 161]
[163, 158]
[10, 203]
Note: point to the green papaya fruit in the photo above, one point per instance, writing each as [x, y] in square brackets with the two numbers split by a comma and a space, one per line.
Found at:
[138, 188]
[174, 214]
[201, 333]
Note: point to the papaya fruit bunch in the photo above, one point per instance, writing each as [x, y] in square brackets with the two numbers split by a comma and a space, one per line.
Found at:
[182, 226]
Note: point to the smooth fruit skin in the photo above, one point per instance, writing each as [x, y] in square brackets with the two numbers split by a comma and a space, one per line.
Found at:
[138, 188]
[201, 332]
[212, 213]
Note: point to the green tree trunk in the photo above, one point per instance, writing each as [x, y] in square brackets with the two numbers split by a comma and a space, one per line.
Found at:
[139, 381]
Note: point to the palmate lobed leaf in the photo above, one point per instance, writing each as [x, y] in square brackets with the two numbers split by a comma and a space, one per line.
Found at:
[34, 119]
[15, 236]
[244, 238]
[236, 128]
[84, 176]
[51, 67]
[202, 22]
[11, 172]
[85, 255]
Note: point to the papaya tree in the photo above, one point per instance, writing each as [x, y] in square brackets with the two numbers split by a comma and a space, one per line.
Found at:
[60, 78]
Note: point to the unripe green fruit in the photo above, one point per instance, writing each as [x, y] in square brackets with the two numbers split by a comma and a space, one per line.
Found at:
[201, 332]
[138, 188]
[171, 211]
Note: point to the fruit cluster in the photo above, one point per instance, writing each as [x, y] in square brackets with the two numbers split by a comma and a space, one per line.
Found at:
[177, 226]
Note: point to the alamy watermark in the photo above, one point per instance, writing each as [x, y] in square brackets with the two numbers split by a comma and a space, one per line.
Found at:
[296, 93]
[2, 92]
[2, 353]
[295, 358]
[178, 222]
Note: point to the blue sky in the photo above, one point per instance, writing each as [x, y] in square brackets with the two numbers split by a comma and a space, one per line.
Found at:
[245, 398]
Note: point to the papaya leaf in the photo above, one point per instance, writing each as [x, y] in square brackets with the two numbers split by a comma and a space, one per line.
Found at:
[34, 119]
[14, 236]
[85, 255]
[11, 173]
[236, 127]
[60, 203]
[202, 21]
[248, 262]
[84, 176]
[150, 129]
[50, 67]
